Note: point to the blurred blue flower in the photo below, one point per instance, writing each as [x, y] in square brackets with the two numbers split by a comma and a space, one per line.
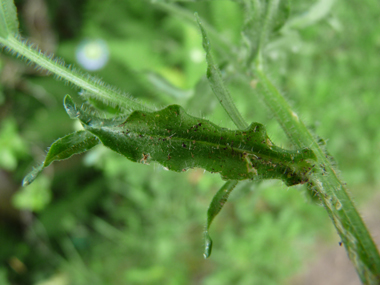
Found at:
[92, 54]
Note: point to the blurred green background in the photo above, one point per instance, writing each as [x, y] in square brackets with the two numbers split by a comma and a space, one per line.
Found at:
[100, 219]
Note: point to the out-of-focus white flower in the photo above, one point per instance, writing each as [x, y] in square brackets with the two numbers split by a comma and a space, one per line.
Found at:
[197, 55]
[92, 54]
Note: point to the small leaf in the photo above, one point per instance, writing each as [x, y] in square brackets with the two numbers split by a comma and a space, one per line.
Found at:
[31, 176]
[8, 18]
[216, 82]
[70, 107]
[215, 207]
[86, 117]
[69, 145]
[64, 148]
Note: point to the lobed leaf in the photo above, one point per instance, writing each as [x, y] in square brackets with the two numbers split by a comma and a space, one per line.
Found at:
[179, 141]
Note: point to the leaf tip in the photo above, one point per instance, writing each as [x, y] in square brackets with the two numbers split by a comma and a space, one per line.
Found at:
[70, 107]
[205, 40]
[208, 245]
[31, 176]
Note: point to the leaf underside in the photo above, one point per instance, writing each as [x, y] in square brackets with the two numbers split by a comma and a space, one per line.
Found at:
[215, 207]
[179, 142]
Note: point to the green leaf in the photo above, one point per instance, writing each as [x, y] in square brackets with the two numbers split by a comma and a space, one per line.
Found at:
[179, 141]
[216, 205]
[8, 18]
[86, 117]
[216, 82]
[64, 148]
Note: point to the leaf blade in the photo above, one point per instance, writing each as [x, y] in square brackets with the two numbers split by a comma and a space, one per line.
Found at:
[86, 117]
[63, 148]
[215, 207]
[215, 79]
[8, 18]
[179, 141]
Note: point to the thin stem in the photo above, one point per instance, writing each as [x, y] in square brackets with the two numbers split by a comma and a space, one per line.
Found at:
[95, 87]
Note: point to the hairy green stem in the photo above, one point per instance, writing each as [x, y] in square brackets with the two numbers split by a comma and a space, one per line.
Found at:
[331, 190]
[95, 88]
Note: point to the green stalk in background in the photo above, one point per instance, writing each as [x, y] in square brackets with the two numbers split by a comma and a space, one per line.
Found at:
[325, 182]
[329, 188]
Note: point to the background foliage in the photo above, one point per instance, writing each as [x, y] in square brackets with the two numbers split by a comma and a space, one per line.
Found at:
[103, 219]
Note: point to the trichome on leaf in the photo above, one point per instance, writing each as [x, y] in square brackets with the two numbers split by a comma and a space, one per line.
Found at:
[179, 141]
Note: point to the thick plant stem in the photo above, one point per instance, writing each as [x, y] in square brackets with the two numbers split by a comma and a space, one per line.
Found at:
[93, 87]
[330, 189]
